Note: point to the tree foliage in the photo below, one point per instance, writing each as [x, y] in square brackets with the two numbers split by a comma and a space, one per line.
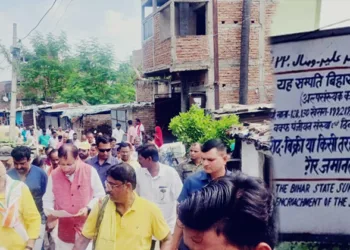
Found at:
[52, 72]
[196, 126]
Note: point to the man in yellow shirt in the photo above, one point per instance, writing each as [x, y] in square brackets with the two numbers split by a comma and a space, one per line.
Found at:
[20, 220]
[128, 221]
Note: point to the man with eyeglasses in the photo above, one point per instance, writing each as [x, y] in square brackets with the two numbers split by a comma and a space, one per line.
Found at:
[75, 188]
[124, 220]
[104, 160]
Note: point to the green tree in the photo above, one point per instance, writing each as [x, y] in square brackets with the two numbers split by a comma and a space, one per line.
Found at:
[97, 81]
[52, 72]
[196, 126]
[44, 71]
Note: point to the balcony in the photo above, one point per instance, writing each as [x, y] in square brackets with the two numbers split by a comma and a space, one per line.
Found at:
[176, 37]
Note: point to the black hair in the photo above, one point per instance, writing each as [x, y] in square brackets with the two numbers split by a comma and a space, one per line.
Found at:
[112, 139]
[52, 152]
[93, 145]
[65, 149]
[138, 120]
[239, 207]
[118, 125]
[75, 134]
[148, 150]
[123, 172]
[39, 161]
[130, 122]
[50, 126]
[69, 141]
[21, 152]
[47, 149]
[149, 138]
[60, 137]
[123, 145]
[214, 143]
[102, 139]
[44, 130]
[54, 132]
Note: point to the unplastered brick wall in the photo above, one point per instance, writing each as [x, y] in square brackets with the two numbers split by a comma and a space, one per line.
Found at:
[144, 91]
[147, 53]
[192, 49]
[230, 24]
[102, 122]
[162, 53]
[156, 51]
[147, 117]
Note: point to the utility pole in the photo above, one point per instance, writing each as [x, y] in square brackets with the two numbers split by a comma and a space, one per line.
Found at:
[15, 55]
[244, 63]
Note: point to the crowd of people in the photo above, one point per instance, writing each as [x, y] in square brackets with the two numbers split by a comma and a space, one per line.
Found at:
[102, 192]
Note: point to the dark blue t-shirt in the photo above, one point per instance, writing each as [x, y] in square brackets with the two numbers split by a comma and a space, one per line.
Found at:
[36, 181]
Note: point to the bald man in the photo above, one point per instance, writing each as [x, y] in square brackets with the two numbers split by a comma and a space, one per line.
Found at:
[74, 187]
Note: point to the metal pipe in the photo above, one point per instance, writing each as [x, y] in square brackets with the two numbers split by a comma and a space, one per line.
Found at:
[244, 64]
[216, 55]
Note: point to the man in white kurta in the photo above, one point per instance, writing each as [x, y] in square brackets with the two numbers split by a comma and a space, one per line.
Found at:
[74, 187]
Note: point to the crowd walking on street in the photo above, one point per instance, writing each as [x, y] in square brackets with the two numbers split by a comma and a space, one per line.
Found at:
[113, 192]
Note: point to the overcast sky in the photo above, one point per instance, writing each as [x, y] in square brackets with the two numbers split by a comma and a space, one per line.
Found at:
[116, 22]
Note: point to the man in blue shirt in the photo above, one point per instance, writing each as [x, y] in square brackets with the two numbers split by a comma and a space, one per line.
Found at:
[104, 160]
[35, 178]
[214, 159]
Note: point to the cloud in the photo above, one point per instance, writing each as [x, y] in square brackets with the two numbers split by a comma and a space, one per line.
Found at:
[113, 22]
[123, 32]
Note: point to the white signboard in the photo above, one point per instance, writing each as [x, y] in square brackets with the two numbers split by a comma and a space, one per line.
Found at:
[311, 135]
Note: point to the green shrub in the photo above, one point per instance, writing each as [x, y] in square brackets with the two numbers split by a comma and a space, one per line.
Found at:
[196, 126]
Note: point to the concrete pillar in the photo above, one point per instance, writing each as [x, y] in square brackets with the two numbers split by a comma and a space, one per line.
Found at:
[173, 33]
[184, 94]
[154, 4]
[210, 104]
[142, 22]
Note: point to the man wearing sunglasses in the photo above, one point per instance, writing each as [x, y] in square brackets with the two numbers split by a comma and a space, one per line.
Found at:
[73, 187]
[104, 160]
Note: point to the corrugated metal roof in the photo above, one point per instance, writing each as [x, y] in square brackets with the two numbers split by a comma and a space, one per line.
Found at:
[31, 107]
[257, 133]
[230, 109]
[95, 109]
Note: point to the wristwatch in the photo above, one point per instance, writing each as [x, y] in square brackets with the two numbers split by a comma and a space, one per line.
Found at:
[28, 247]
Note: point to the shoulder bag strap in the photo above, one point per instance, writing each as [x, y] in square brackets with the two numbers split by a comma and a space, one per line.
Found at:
[101, 211]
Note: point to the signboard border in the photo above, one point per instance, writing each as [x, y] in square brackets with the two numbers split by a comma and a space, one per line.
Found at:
[311, 35]
[330, 239]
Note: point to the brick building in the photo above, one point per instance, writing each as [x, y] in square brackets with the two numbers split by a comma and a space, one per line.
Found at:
[191, 51]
